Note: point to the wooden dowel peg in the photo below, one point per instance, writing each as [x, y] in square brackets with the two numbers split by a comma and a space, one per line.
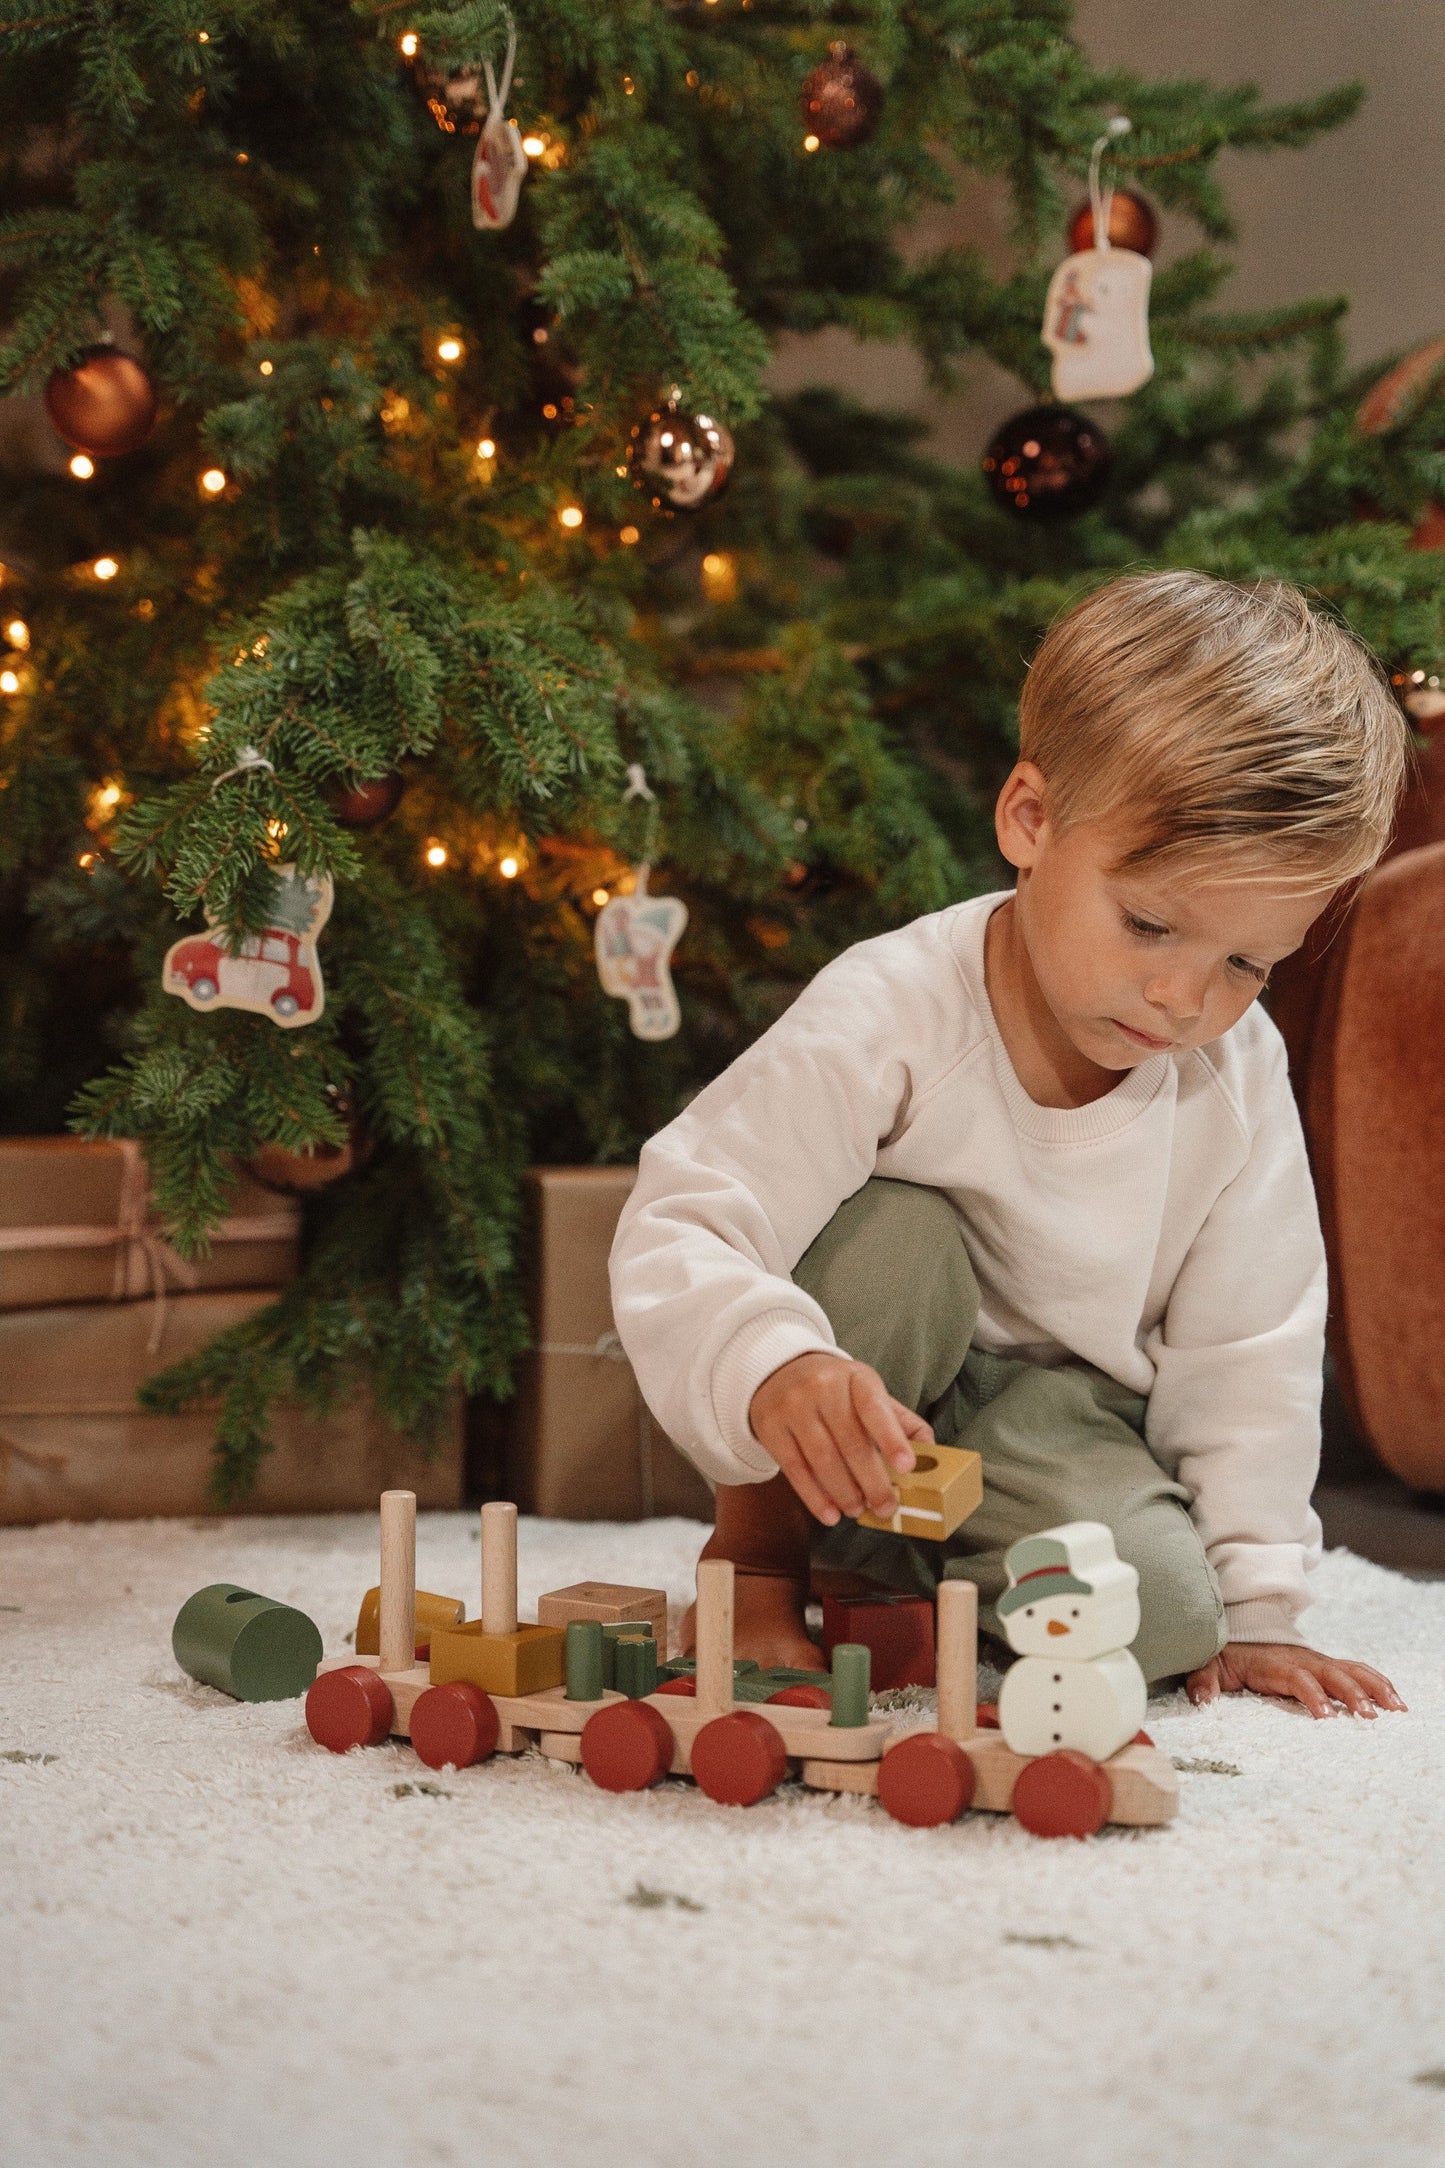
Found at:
[499, 1569]
[398, 1580]
[714, 1636]
[957, 1659]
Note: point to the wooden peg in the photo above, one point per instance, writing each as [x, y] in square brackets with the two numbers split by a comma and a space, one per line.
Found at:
[398, 1580]
[957, 1659]
[714, 1636]
[499, 1569]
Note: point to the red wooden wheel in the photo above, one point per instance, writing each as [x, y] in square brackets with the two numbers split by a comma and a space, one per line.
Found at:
[678, 1686]
[925, 1780]
[802, 1696]
[739, 1758]
[350, 1707]
[1062, 1795]
[455, 1723]
[626, 1746]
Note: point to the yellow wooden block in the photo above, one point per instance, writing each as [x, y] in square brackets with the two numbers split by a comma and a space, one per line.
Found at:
[431, 1612]
[943, 1489]
[524, 1662]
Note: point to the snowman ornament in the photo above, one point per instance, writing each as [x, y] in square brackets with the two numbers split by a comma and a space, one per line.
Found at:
[1070, 1611]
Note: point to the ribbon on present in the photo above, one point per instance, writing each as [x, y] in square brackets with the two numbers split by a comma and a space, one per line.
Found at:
[144, 1260]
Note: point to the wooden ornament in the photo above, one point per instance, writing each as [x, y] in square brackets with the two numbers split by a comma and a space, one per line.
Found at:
[925, 1780]
[627, 1746]
[274, 973]
[739, 1758]
[456, 1724]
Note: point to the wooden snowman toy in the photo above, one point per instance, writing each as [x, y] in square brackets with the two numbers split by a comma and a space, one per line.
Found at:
[1070, 1611]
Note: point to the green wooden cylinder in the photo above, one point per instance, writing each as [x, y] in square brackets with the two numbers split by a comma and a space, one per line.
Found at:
[852, 1663]
[636, 1665]
[247, 1645]
[584, 1660]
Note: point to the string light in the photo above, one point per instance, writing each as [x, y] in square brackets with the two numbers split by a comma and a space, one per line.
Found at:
[85, 861]
[533, 145]
[486, 449]
[449, 349]
[410, 43]
[508, 869]
[243, 158]
[203, 37]
[570, 515]
[810, 142]
[105, 568]
[629, 535]
[267, 367]
[17, 632]
[435, 853]
[9, 682]
[719, 576]
[213, 481]
[106, 798]
[82, 466]
[599, 897]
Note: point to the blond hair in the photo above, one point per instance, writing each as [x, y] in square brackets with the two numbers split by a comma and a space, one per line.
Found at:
[1236, 725]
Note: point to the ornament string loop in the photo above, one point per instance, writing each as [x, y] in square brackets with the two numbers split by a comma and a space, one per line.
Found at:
[248, 761]
[1101, 199]
[638, 787]
[498, 98]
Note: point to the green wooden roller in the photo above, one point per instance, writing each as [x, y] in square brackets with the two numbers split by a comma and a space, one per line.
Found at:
[247, 1645]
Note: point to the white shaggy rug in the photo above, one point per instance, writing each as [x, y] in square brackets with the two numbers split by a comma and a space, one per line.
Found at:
[221, 1945]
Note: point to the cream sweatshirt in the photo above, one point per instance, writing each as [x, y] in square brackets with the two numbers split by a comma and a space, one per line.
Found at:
[1166, 1233]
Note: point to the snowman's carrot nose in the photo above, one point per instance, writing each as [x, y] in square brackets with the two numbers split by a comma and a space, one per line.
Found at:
[1057, 1626]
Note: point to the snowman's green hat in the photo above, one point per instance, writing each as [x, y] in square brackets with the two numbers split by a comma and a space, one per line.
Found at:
[1038, 1567]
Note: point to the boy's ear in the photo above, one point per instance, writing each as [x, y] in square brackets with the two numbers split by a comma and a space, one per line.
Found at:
[1019, 816]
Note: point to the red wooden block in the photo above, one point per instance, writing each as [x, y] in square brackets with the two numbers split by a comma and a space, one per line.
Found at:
[626, 1746]
[986, 1717]
[679, 1686]
[739, 1758]
[1062, 1795]
[897, 1631]
[350, 1707]
[455, 1723]
[925, 1780]
[803, 1697]
[1141, 1738]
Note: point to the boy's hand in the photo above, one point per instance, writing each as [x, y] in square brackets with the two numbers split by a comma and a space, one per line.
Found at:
[1293, 1674]
[835, 1430]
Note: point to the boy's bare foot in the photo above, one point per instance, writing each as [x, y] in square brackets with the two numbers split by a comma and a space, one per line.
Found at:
[768, 1622]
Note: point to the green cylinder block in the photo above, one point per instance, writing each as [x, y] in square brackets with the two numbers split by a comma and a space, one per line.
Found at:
[245, 1644]
[584, 1660]
[852, 1663]
[636, 1665]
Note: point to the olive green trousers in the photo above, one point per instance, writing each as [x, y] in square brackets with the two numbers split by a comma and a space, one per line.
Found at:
[1060, 1443]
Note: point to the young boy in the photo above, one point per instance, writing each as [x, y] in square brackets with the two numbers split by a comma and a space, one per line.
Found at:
[1026, 1176]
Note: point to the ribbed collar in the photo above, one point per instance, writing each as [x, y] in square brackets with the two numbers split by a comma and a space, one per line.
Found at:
[1049, 1125]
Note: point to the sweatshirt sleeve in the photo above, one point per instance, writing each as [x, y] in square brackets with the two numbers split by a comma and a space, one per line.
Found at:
[734, 1190]
[1239, 1356]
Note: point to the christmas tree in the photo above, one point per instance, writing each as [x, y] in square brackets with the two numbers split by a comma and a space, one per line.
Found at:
[420, 579]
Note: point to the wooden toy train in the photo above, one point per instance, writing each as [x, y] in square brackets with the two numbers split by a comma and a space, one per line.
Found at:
[590, 1683]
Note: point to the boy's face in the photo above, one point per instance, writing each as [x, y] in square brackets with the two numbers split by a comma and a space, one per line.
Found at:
[1136, 964]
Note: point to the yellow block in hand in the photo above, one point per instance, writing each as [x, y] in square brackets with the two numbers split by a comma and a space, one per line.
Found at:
[946, 1485]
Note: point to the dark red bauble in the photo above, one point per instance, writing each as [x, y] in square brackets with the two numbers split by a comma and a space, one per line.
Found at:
[1047, 463]
[365, 805]
[1132, 224]
[104, 405]
[841, 99]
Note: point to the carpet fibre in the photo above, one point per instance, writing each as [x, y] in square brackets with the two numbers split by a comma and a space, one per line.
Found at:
[220, 1944]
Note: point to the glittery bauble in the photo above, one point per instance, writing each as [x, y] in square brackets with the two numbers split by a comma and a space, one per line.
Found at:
[457, 103]
[1047, 463]
[841, 99]
[1132, 224]
[680, 460]
[105, 404]
[365, 805]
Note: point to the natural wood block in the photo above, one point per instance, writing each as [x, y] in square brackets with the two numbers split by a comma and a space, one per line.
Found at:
[945, 1486]
[522, 1662]
[829, 1776]
[611, 1603]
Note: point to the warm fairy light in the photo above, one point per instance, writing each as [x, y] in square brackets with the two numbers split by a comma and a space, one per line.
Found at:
[9, 682]
[599, 897]
[811, 142]
[508, 868]
[549, 413]
[628, 85]
[449, 349]
[105, 568]
[410, 43]
[85, 861]
[267, 367]
[107, 798]
[243, 158]
[435, 853]
[719, 576]
[82, 466]
[203, 37]
[17, 632]
[622, 471]
[570, 515]
[213, 481]
[145, 607]
[486, 449]
[277, 831]
[533, 146]
[629, 535]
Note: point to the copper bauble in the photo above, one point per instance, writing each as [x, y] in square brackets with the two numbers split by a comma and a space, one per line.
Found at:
[1047, 463]
[297, 1174]
[365, 805]
[105, 404]
[680, 460]
[841, 99]
[1132, 224]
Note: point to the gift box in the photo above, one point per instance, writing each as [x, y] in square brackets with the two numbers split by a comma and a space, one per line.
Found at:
[76, 1226]
[582, 1444]
[75, 1446]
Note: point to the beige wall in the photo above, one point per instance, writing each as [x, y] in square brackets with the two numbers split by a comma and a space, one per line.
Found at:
[1362, 212]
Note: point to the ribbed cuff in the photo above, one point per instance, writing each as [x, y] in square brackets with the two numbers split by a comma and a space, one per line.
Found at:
[754, 1352]
[1263, 1618]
